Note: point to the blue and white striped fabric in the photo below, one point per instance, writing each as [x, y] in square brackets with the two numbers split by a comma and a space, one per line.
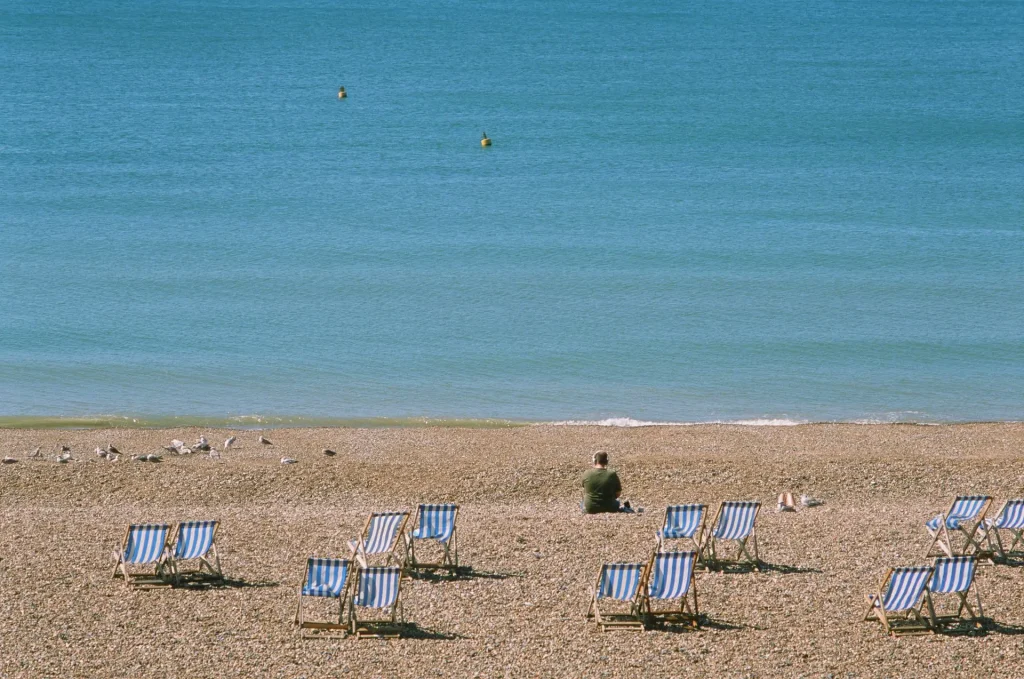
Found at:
[325, 577]
[146, 542]
[436, 522]
[194, 539]
[378, 587]
[953, 574]
[681, 521]
[1012, 516]
[736, 520]
[383, 529]
[965, 508]
[905, 588]
[671, 574]
[619, 581]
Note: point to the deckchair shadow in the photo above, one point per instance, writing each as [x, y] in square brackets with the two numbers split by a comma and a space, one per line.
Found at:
[411, 630]
[786, 569]
[201, 584]
[461, 573]
[993, 627]
[704, 622]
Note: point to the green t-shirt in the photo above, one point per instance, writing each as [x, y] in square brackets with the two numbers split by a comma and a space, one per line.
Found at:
[600, 489]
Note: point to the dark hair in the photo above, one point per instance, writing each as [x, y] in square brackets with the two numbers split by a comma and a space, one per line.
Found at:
[601, 458]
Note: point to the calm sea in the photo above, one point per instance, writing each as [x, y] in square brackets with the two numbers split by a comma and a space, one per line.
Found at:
[691, 211]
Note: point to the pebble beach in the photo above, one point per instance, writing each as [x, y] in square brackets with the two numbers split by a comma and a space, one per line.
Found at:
[530, 556]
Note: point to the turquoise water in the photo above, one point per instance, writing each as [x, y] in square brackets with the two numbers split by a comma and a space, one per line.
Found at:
[691, 211]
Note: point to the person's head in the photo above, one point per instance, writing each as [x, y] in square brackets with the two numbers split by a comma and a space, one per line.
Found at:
[600, 459]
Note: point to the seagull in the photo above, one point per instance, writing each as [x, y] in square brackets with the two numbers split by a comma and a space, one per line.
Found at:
[178, 445]
[64, 457]
[214, 454]
[65, 448]
[228, 442]
[184, 451]
[37, 453]
[154, 458]
[111, 450]
[170, 449]
[288, 460]
[113, 458]
[202, 444]
[9, 460]
[264, 441]
[329, 453]
[100, 452]
[139, 458]
[808, 501]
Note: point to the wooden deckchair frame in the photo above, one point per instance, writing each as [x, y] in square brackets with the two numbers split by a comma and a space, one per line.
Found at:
[634, 619]
[388, 626]
[358, 545]
[163, 569]
[995, 540]
[976, 616]
[450, 555]
[944, 540]
[686, 613]
[711, 557]
[320, 629]
[912, 621]
[697, 540]
[213, 568]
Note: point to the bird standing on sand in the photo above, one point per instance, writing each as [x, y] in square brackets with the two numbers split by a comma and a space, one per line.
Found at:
[9, 460]
[37, 453]
[485, 140]
[100, 452]
[202, 444]
[111, 450]
[264, 441]
[228, 442]
[288, 460]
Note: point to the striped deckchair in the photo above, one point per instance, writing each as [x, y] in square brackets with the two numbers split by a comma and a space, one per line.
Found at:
[194, 540]
[966, 516]
[434, 522]
[683, 522]
[619, 582]
[734, 521]
[377, 589]
[900, 601]
[328, 579]
[145, 544]
[955, 575]
[1011, 519]
[379, 538]
[669, 578]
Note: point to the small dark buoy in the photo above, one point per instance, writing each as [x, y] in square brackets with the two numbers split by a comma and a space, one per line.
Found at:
[341, 93]
[485, 140]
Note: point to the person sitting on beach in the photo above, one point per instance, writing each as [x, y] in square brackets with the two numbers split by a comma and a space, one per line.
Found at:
[601, 488]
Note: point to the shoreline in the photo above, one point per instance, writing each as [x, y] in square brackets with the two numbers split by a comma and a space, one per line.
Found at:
[257, 422]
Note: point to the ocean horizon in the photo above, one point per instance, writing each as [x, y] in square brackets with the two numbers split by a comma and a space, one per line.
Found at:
[728, 213]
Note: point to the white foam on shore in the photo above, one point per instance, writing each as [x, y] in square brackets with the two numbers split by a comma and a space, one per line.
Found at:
[630, 422]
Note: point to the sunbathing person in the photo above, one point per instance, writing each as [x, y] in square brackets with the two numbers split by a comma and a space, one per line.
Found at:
[601, 488]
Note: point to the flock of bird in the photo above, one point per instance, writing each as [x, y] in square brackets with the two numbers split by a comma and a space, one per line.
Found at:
[112, 454]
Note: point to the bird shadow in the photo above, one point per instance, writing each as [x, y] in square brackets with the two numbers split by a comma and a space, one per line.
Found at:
[459, 574]
[203, 583]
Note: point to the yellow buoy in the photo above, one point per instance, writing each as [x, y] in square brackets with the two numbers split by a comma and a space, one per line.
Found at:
[341, 93]
[485, 141]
